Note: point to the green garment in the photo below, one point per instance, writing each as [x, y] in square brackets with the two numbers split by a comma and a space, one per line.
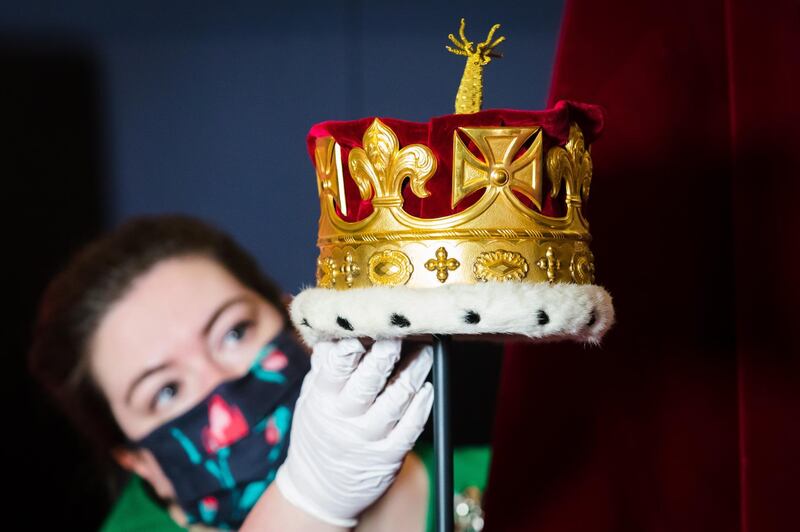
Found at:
[470, 468]
[137, 511]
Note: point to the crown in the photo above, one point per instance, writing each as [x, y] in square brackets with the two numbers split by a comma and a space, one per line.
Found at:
[473, 198]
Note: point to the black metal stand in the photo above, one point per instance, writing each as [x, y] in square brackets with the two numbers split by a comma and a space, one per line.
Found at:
[442, 446]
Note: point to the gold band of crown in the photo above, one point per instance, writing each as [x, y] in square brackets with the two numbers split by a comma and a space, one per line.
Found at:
[498, 238]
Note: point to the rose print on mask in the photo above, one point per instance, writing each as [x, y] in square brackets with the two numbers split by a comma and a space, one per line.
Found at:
[276, 361]
[208, 508]
[279, 422]
[275, 428]
[268, 368]
[226, 425]
[272, 435]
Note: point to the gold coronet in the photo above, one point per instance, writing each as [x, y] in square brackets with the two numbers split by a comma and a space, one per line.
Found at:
[498, 238]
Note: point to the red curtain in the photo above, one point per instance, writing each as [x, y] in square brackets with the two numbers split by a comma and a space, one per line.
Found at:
[688, 417]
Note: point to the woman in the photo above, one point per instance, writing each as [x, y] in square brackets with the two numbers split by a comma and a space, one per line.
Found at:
[174, 355]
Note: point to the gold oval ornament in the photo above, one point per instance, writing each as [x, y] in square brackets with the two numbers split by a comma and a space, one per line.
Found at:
[581, 266]
[390, 268]
[500, 265]
[326, 272]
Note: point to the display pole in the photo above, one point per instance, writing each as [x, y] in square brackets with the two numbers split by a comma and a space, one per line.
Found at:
[442, 446]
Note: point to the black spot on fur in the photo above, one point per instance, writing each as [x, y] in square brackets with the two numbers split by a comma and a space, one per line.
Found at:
[400, 320]
[592, 319]
[343, 323]
[472, 317]
[305, 322]
[542, 318]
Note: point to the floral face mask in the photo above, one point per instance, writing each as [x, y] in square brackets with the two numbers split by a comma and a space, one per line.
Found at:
[223, 453]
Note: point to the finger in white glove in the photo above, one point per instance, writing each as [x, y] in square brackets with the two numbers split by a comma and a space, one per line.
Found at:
[369, 377]
[393, 401]
[334, 362]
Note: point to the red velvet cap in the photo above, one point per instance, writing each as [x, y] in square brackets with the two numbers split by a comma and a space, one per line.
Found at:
[437, 134]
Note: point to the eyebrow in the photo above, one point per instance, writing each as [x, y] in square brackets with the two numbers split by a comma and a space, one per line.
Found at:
[206, 328]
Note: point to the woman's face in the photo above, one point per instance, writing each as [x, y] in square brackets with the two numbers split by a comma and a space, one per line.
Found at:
[185, 326]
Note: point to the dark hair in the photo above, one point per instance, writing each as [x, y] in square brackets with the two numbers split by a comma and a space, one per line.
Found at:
[78, 297]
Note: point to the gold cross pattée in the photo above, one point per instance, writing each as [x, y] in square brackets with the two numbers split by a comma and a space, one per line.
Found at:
[500, 167]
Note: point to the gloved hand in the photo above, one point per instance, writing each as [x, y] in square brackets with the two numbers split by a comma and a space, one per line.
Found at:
[347, 441]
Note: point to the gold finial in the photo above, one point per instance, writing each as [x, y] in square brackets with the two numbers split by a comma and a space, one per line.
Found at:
[470, 91]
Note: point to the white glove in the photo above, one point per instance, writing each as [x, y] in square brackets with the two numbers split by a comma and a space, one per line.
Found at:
[346, 446]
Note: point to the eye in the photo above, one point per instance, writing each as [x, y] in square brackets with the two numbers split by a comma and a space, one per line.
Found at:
[157, 398]
[237, 332]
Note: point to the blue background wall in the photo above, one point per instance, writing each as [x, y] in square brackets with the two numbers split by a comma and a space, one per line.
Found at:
[206, 105]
